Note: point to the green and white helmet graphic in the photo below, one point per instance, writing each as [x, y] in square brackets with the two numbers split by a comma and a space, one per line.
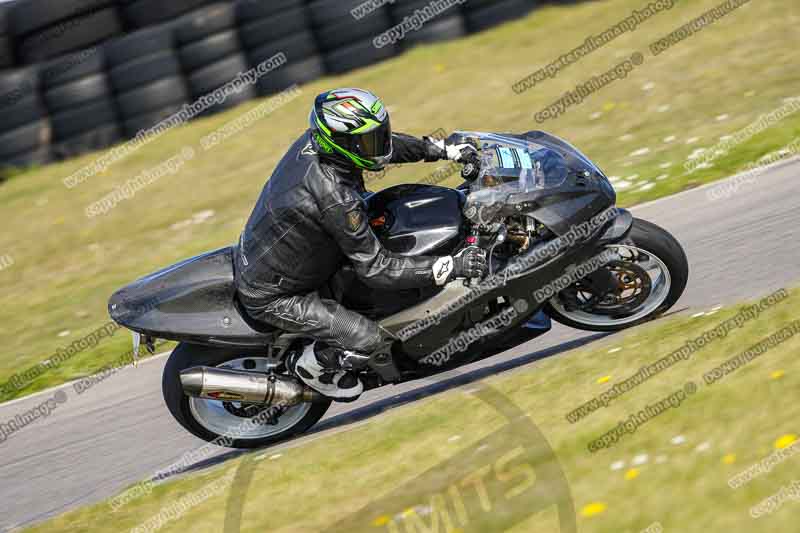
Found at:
[354, 125]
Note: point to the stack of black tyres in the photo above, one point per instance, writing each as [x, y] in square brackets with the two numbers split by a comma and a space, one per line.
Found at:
[483, 14]
[6, 39]
[347, 42]
[44, 29]
[147, 78]
[88, 98]
[211, 54]
[270, 27]
[80, 103]
[25, 130]
[448, 25]
[145, 13]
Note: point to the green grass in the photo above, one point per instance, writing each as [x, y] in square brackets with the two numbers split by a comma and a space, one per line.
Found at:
[67, 265]
[738, 421]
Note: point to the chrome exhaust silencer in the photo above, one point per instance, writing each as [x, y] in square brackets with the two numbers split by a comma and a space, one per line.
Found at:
[250, 387]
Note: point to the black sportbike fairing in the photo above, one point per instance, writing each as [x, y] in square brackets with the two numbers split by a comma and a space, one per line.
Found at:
[540, 175]
[533, 176]
[192, 301]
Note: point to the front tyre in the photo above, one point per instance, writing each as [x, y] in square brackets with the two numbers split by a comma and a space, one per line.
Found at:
[244, 425]
[649, 279]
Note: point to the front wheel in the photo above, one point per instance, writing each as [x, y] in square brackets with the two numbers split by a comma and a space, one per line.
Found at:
[648, 279]
[234, 424]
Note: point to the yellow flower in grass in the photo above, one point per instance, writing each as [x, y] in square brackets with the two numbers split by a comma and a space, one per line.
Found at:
[785, 441]
[603, 379]
[778, 374]
[381, 521]
[593, 509]
[633, 473]
[729, 459]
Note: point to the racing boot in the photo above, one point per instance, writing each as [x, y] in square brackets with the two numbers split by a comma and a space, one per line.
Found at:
[328, 370]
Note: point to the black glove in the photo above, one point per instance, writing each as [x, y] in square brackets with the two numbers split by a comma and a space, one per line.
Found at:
[468, 263]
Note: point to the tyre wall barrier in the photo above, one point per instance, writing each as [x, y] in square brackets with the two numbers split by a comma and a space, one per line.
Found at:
[6, 39]
[147, 78]
[81, 75]
[211, 54]
[25, 131]
[280, 26]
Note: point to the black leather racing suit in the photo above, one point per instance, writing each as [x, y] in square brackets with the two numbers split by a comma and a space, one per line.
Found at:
[309, 219]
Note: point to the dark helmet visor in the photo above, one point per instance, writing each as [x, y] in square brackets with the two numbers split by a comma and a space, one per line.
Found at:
[374, 144]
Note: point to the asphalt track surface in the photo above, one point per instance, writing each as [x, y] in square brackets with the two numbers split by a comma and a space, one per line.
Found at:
[118, 433]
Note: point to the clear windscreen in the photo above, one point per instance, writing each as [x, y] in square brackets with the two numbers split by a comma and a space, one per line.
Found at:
[515, 165]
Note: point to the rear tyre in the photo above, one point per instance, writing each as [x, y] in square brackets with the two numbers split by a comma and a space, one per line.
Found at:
[207, 418]
[654, 272]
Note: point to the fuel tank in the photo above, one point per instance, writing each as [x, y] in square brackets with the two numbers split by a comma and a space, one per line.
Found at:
[409, 220]
[417, 219]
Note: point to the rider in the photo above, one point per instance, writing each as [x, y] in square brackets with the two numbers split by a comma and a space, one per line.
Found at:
[311, 217]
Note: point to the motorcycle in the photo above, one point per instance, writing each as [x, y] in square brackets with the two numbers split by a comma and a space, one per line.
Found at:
[557, 247]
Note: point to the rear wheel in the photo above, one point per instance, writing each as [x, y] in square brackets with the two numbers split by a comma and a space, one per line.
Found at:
[650, 276]
[213, 419]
